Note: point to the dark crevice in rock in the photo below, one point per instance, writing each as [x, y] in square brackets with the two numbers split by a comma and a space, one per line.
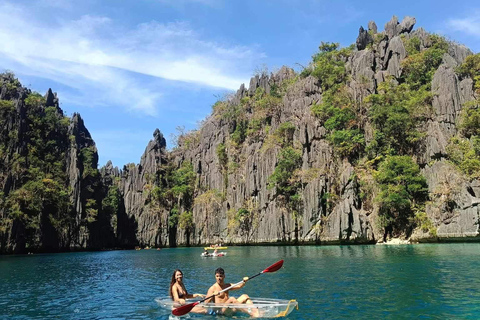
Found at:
[199, 169]
[307, 141]
[470, 191]
[390, 54]
[350, 224]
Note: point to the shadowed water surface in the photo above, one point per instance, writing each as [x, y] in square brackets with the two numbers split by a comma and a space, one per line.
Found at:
[329, 282]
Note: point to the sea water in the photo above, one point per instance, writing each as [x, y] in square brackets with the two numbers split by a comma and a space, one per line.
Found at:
[427, 281]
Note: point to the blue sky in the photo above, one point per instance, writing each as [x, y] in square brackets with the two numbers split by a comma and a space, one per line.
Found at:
[129, 67]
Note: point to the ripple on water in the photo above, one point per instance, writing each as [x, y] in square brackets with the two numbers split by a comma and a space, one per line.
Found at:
[329, 282]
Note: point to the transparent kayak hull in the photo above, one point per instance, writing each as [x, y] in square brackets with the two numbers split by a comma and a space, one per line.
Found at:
[261, 308]
[218, 254]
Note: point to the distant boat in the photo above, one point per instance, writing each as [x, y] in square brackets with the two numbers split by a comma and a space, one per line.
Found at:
[213, 254]
[213, 248]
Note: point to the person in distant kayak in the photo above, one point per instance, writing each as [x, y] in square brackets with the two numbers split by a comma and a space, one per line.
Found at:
[179, 293]
[224, 297]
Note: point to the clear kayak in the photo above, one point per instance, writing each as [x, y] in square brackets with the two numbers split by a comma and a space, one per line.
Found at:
[261, 308]
[213, 254]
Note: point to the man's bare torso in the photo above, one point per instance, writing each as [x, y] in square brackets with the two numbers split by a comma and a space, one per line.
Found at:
[222, 297]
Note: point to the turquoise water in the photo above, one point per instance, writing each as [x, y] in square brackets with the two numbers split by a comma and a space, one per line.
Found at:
[437, 281]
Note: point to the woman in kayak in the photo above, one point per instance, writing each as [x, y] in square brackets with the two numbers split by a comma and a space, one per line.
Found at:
[179, 293]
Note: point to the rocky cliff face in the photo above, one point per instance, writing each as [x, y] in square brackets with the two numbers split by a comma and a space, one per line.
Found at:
[347, 219]
[227, 194]
[50, 188]
[139, 222]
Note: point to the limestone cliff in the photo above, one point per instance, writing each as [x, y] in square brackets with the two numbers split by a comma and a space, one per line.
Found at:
[224, 182]
[50, 198]
[242, 181]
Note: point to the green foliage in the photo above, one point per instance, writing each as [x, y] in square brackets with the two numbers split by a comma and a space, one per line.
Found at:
[326, 47]
[219, 107]
[11, 83]
[240, 133]
[183, 180]
[91, 210]
[173, 217]
[41, 201]
[412, 45]
[185, 220]
[254, 126]
[338, 115]
[89, 161]
[470, 119]
[278, 91]
[244, 219]
[242, 214]
[402, 187]
[471, 68]
[329, 64]
[34, 99]
[38, 195]
[465, 155]
[232, 112]
[395, 113]
[347, 142]
[6, 106]
[281, 137]
[289, 161]
[419, 67]
[424, 223]
[111, 203]
[222, 155]
[285, 132]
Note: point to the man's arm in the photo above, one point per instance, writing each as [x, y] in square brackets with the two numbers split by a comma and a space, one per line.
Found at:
[241, 285]
[210, 292]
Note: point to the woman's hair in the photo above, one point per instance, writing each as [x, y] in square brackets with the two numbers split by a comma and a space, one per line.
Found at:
[173, 281]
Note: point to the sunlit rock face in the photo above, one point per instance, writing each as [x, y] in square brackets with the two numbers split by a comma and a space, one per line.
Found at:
[245, 183]
[234, 201]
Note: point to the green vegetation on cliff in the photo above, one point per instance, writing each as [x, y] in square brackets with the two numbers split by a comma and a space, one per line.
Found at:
[464, 149]
[402, 190]
[37, 212]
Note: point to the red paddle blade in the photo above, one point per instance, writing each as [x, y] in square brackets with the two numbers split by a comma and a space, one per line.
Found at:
[180, 311]
[274, 267]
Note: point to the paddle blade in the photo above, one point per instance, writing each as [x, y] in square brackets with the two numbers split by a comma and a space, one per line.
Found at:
[180, 311]
[274, 267]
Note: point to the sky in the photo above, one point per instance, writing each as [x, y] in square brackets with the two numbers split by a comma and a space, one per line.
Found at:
[131, 66]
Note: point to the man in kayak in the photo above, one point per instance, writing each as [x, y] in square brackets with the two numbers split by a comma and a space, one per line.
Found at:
[224, 297]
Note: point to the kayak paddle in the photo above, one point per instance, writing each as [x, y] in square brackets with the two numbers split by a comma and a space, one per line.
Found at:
[180, 311]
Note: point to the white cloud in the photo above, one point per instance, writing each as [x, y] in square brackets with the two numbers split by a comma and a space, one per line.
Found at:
[94, 51]
[469, 25]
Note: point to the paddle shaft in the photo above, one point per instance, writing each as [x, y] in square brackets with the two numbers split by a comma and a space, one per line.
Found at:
[226, 289]
[230, 287]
